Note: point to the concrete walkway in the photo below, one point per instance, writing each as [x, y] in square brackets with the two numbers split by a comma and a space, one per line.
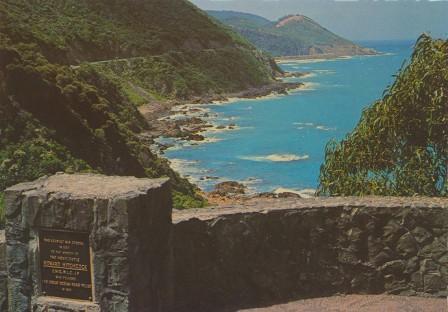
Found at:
[359, 303]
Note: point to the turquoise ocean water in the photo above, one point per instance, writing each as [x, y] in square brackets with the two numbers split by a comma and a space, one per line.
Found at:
[280, 141]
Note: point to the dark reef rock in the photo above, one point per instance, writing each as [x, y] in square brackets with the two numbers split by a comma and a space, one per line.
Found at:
[229, 188]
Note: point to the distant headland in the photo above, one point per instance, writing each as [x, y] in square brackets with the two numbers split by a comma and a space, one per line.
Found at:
[292, 35]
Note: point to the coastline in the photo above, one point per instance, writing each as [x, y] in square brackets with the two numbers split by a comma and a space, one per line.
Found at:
[187, 121]
[181, 123]
[322, 56]
[186, 124]
[162, 115]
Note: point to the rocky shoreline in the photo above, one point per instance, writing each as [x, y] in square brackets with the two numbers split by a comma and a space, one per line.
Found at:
[324, 56]
[187, 121]
[181, 119]
[235, 193]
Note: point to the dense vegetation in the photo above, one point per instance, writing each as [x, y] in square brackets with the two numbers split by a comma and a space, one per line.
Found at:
[400, 146]
[54, 118]
[82, 30]
[71, 72]
[186, 75]
[171, 38]
[289, 36]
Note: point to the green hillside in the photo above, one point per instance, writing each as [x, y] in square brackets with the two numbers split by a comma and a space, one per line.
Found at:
[73, 32]
[53, 118]
[289, 36]
[72, 72]
[400, 145]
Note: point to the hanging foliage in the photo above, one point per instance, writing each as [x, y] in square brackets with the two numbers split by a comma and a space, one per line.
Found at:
[400, 146]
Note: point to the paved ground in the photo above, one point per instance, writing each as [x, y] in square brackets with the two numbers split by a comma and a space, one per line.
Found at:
[358, 303]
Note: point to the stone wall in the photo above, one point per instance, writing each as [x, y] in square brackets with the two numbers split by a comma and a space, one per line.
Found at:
[266, 251]
[3, 275]
[127, 220]
[279, 250]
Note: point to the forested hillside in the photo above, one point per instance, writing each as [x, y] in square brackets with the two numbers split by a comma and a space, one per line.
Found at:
[291, 35]
[65, 105]
[400, 146]
[183, 51]
[53, 118]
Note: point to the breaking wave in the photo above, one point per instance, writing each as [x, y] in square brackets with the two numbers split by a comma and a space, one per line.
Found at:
[277, 158]
[310, 125]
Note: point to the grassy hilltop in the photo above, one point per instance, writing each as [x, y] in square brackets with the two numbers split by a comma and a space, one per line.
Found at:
[72, 72]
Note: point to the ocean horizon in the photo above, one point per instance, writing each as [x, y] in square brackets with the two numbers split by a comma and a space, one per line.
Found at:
[279, 141]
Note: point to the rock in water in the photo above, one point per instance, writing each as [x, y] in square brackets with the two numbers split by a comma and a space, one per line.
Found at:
[229, 188]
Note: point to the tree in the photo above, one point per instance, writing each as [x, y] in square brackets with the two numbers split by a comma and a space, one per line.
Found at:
[400, 145]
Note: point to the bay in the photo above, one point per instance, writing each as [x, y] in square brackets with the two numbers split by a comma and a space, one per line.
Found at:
[279, 142]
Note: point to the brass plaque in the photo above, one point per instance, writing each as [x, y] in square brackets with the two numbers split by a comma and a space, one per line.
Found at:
[65, 264]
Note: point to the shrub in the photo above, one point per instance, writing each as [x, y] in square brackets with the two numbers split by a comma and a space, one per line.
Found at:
[400, 145]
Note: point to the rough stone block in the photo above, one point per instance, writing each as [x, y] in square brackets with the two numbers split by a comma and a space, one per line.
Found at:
[433, 282]
[286, 249]
[417, 281]
[407, 245]
[3, 275]
[421, 235]
[412, 265]
[126, 222]
[396, 267]
[429, 266]
[44, 304]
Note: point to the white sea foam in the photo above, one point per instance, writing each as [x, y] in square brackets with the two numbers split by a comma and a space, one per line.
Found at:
[251, 184]
[380, 54]
[179, 144]
[307, 75]
[231, 118]
[303, 125]
[186, 107]
[324, 128]
[292, 79]
[293, 62]
[276, 158]
[309, 124]
[287, 63]
[324, 71]
[207, 140]
[190, 169]
[305, 193]
[185, 167]
[215, 129]
[224, 102]
[307, 86]
[310, 61]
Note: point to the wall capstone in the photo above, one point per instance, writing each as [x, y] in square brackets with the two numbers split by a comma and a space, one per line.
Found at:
[3, 275]
[127, 223]
[264, 252]
[273, 251]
